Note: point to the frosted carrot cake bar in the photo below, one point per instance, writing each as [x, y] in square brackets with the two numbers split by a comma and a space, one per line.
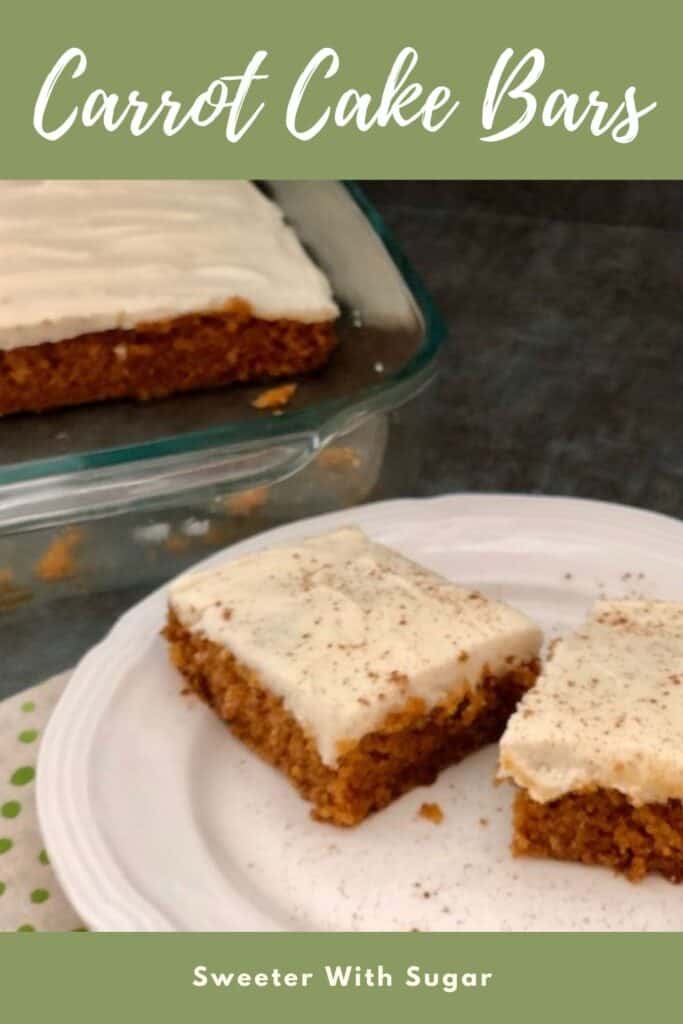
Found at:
[355, 671]
[597, 746]
[112, 289]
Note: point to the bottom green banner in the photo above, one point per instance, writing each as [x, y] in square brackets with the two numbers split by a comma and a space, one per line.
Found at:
[398, 977]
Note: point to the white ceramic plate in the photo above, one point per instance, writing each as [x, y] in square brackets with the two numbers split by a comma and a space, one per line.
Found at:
[157, 819]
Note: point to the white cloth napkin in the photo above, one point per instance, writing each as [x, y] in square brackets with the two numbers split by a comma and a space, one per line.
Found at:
[30, 895]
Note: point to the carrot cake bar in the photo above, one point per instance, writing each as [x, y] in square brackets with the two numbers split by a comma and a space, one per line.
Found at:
[597, 746]
[355, 671]
[112, 289]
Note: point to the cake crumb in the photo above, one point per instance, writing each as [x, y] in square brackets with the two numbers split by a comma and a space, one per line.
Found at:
[11, 595]
[339, 458]
[245, 502]
[432, 812]
[176, 543]
[215, 536]
[58, 561]
[552, 646]
[275, 398]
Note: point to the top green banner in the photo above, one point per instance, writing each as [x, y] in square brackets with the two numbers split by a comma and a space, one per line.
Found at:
[322, 90]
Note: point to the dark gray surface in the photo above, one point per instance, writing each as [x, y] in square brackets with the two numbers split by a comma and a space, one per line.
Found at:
[562, 373]
[564, 366]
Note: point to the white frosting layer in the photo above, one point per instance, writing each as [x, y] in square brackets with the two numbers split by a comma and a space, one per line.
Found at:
[86, 256]
[346, 631]
[607, 710]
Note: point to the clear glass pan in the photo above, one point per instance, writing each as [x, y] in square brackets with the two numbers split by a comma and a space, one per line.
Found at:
[58, 466]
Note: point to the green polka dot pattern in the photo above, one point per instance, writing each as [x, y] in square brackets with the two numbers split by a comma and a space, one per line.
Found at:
[31, 899]
[22, 776]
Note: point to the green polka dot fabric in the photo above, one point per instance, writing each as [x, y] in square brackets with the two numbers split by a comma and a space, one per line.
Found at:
[30, 897]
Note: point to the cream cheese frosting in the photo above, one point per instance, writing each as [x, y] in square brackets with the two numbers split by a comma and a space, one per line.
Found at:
[346, 631]
[607, 710]
[85, 256]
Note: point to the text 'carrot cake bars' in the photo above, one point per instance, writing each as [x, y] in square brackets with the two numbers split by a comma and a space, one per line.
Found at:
[357, 672]
[597, 746]
[112, 289]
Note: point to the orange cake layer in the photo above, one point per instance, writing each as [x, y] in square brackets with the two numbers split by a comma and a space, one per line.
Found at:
[409, 749]
[603, 827]
[185, 353]
[138, 289]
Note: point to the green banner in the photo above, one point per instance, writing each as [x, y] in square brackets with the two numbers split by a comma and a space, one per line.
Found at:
[305, 89]
[473, 977]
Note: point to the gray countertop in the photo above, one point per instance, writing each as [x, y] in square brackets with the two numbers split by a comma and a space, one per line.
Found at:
[564, 368]
[562, 373]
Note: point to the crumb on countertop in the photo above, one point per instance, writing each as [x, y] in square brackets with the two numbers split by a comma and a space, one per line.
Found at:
[58, 562]
[432, 812]
[245, 502]
[275, 398]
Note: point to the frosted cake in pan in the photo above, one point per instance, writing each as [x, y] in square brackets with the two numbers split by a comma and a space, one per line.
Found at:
[112, 289]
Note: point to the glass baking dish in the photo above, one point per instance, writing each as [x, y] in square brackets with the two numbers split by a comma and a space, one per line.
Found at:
[100, 504]
[100, 459]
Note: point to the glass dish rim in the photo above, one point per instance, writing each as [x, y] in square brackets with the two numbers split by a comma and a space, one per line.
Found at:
[321, 419]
